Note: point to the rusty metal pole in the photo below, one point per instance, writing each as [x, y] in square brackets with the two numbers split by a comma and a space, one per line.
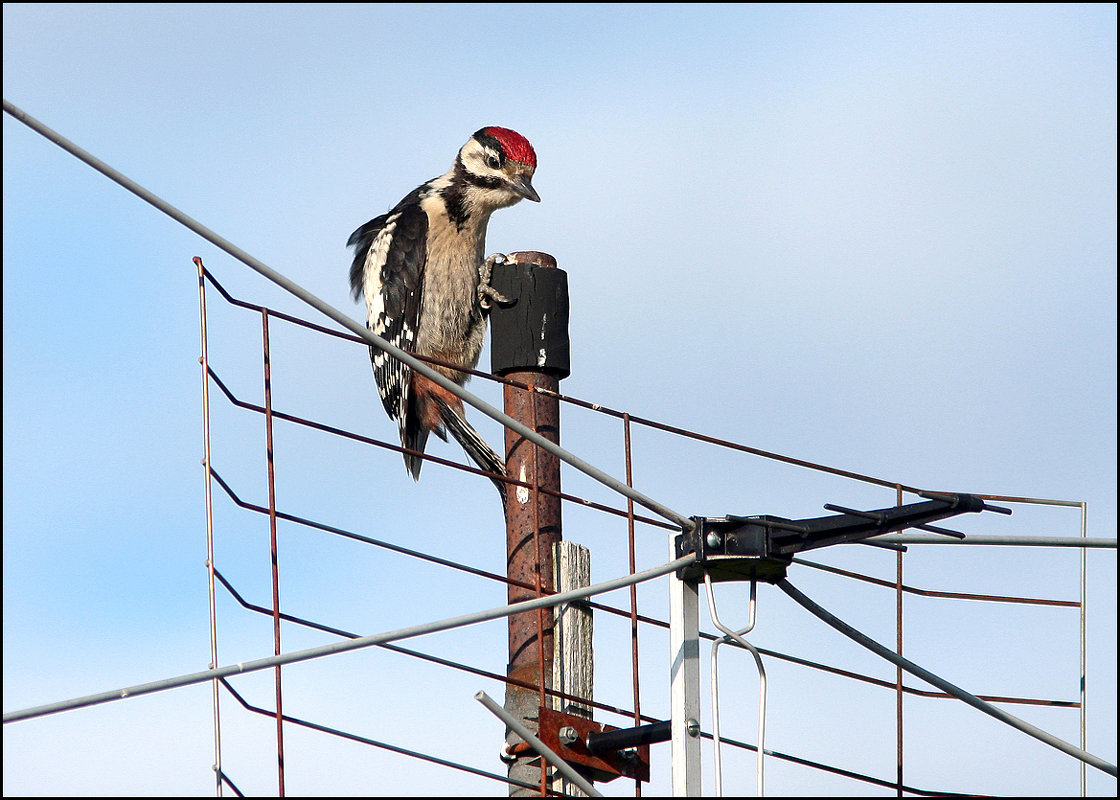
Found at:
[529, 345]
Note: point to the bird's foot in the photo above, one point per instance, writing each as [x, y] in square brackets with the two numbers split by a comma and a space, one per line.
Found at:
[487, 294]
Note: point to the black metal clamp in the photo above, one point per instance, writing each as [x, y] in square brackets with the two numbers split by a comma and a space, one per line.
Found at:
[761, 547]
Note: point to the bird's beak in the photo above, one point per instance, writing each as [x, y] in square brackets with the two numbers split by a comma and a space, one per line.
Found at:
[523, 187]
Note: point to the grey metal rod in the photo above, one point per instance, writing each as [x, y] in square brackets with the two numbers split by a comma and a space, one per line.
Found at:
[514, 724]
[1019, 541]
[344, 320]
[215, 691]
[944, 685]
[1084, 602]
[352, 644]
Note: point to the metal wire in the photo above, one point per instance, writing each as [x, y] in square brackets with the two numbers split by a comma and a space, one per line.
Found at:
[210, 571]
[638, 718]
[425, 456]
[1005, 541]
[362, 336]
[629, 419]
[354, 644]
[644, 718]
[993, 598]
[404, 751]
[345, 321]
[736, 636]
[274, 558]
[444, 662]
[941, 683]
[644, 619]
[937, 539]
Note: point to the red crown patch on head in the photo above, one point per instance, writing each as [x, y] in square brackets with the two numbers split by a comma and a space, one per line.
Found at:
[513, 144]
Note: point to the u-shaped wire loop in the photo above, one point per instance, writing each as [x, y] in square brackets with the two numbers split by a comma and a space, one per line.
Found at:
[737, 637]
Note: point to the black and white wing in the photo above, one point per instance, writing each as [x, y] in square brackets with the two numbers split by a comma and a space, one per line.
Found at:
[388, 270]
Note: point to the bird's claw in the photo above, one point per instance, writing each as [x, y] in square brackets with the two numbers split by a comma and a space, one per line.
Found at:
[487, 294]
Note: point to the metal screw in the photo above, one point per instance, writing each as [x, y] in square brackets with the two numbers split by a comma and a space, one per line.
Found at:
[692, 727]
[568, 735]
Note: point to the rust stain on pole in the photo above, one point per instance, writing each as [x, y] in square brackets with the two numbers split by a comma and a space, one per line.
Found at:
[533, 519]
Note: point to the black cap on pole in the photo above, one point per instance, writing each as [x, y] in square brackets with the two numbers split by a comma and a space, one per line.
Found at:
[531, 332]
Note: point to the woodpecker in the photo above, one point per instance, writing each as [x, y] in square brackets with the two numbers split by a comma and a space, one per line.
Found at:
[426, 282]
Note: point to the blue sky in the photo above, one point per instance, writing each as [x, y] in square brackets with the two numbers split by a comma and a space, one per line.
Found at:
[881, 238]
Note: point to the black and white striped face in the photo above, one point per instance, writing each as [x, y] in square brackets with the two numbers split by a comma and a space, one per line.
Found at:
[494, 175]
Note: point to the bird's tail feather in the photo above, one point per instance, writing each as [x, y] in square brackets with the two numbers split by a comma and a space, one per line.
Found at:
[473, 445]
[413, 437]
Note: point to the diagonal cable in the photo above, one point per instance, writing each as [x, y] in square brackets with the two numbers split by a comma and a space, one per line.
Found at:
[352, 644]
[944, 685]
[344, 320]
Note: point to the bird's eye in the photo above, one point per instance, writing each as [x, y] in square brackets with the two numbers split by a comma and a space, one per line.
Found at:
[493, 162]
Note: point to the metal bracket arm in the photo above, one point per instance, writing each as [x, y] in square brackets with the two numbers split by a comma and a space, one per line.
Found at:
[761, 547]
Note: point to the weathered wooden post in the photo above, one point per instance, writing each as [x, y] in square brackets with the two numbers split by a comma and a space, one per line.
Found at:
[573, 671]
